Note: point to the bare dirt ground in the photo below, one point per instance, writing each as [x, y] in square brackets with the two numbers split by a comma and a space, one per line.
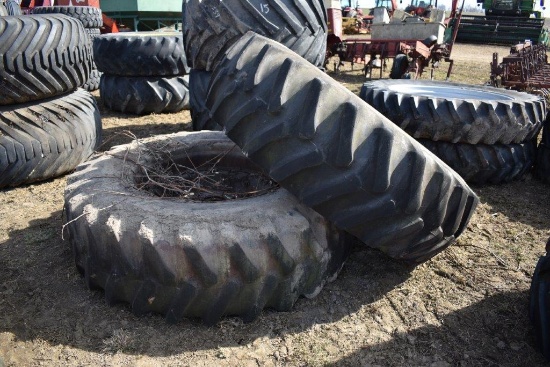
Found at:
[466, 307]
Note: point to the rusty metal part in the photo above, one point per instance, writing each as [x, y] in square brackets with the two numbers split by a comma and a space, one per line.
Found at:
[525, 68]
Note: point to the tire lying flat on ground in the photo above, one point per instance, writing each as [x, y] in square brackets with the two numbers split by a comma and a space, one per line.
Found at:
[142, 95]
[195, 259]
[41, 141]
[141, 54]
[198, 89]
[89, 16]
[211, 26]
[482, 163]
[43, 56]
[457, 113]
[336, 153]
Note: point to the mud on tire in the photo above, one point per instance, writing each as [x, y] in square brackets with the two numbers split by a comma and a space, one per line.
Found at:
[211, 26]
[195, 259]
[457, 113]
[339, 156]
[41, 141]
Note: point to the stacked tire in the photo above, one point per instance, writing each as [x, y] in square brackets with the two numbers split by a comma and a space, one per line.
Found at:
[47, 125]
[143, 72]
[487, 135]
[91, 18]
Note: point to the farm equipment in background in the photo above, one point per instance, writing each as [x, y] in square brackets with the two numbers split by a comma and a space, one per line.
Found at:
[526, 68]
[506, 22]
[414, 43]
[109, 25]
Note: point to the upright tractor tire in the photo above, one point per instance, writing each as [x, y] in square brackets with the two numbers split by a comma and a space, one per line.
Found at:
[399, 67]
[542, 167]
[539, 305]
[13, 8]
[142, 95]
[141, 54]
[89, 16]
[195, 259]
[482, 163]
[43, 56]
[457, 113]
[41, 141]
[198, 89]
[211, 26]
[337, 154]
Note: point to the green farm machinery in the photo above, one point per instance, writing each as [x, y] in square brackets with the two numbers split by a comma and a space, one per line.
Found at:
[506, 22]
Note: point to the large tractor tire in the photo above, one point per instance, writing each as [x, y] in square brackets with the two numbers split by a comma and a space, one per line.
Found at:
[539, 305]
[457, 113]
[143, 95]
[542, 167]
[337, 154]
[92, 33]
[195, 259]
[198, 89]
[89, 16]
[211, 26]
[3, 11]
[141, 54]
[41, 141]
[482, 163]
[42, 56]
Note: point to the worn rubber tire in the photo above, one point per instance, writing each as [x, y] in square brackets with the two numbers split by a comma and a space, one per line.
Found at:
[211, 26]
[41, 141]
[143, 95]
[43, 56]
[3, 11]
[420, 108]
[13, 8]
[336, 153]
[141, 54]
[542, 167]
[90, 16]
[93, 82]
[399, 67]
[539, 305]
[482, 163]
[195, 259]
[198, 89]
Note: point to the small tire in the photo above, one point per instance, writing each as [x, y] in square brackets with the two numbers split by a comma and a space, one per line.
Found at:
[485, 164]
[457, 113]
[399, 67]
[93, 81]
[211, 26]
[195, 259]
[198, 89]
[46, 140]
[42, 56]
[337, 154]
[89, 16]
[143, 95]
[141, 54]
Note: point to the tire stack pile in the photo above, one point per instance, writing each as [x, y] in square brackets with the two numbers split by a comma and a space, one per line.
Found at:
[47, 125]
[487, 135]
[335, 154]
[144, 72]
[91, 19]
[542, 167]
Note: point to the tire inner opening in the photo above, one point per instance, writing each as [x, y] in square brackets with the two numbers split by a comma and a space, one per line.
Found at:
[204, 177]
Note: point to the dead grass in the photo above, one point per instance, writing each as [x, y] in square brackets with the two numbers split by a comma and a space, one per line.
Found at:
[465, 307]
